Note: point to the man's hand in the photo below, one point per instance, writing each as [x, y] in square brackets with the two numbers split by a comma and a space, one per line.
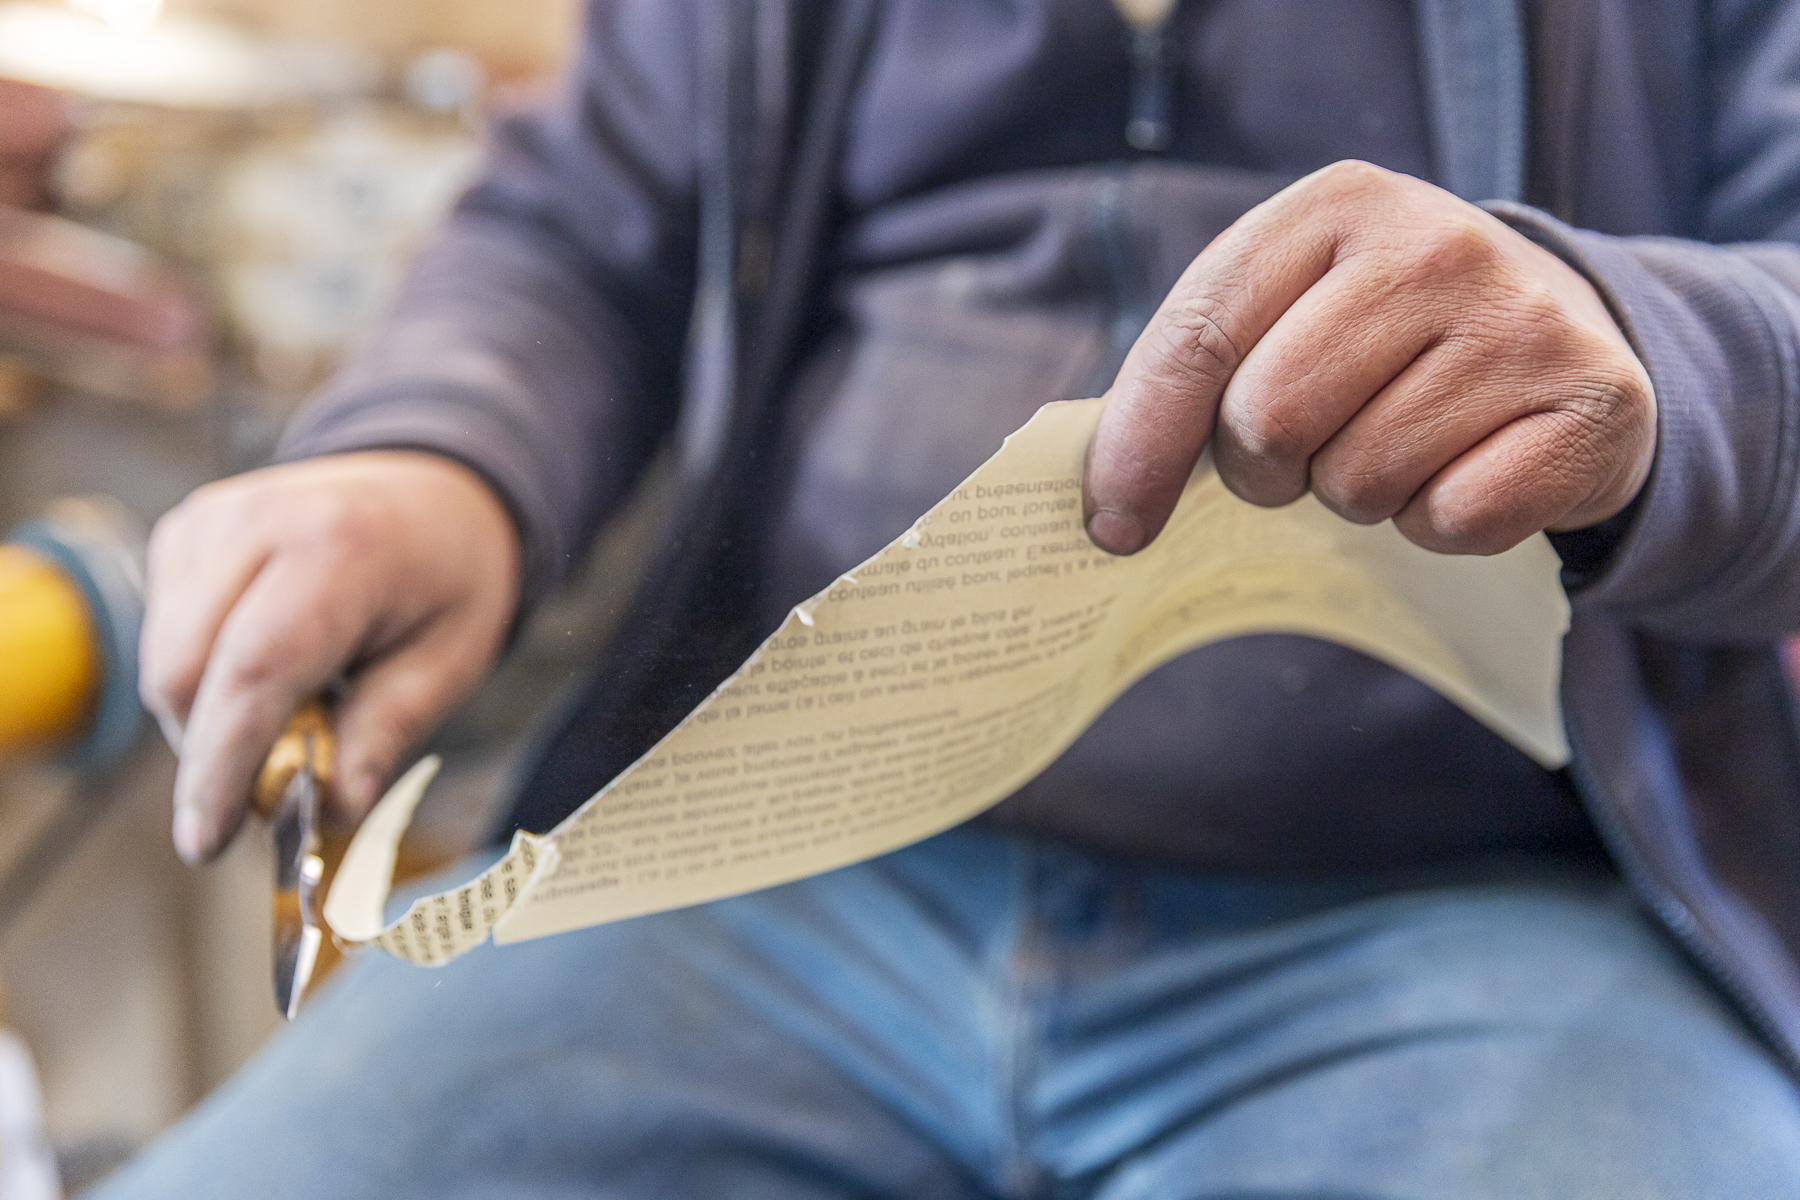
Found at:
[34, 124]
[395, 571]
[1392, 349]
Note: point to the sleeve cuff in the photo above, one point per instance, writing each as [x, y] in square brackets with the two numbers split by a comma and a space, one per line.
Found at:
[1699, 325]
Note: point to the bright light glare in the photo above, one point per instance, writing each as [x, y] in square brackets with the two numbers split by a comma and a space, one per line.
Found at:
[126, 16]
[1145, 14]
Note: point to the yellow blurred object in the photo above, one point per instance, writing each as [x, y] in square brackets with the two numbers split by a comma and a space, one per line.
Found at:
[49, 653]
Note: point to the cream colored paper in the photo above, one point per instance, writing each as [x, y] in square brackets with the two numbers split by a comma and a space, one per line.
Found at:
[941, 674]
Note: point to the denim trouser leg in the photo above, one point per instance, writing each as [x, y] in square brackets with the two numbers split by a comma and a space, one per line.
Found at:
[981, 1017]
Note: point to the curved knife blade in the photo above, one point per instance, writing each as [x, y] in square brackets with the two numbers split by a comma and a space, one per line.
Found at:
[290, 793]
[298, 869]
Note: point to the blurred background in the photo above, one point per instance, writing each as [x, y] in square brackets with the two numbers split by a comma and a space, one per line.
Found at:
[201, 203]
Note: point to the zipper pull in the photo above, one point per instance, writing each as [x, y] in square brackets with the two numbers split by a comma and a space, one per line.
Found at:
[1150, 127]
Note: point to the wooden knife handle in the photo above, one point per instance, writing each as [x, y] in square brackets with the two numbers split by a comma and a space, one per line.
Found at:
[307, 740]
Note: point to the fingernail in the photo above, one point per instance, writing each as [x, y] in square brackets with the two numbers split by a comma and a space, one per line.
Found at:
[188, 834]
[1114, 532]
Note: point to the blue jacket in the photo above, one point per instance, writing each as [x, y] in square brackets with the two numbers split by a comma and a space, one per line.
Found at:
[1653, 144]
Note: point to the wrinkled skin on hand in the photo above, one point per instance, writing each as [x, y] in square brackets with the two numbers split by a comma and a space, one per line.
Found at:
[1393, 350]
[395, 573]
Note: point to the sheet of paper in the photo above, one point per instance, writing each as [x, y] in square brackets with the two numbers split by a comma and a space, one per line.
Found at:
[943, 673]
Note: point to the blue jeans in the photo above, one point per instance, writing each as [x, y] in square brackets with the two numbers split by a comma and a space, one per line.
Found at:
[983, 1017]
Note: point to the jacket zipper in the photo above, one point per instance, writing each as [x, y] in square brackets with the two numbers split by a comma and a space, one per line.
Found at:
[1671, 912]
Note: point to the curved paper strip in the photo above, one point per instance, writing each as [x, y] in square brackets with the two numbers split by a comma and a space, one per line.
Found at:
[435, 929]
[943, 673]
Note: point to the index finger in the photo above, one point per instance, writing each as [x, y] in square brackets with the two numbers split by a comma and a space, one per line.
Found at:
[281, 643]
[190, 589]
[1160, 410]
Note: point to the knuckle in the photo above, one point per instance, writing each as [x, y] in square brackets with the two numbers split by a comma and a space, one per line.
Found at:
[1486, 537]
[331, 515]
[272, 508]
[342, 521]
[1357, 494]
[1460, 246]
[1582, 373]
[1463, 529]
[1193, 338]
[167, 529]
[1577, 453]
[168, 678]
[1622, 388]
[255, 667]
[211, 514]
[222, 501]
[169, 537]
[256, 661]
[1637, 398]
[1595, 410]
[164, 692]
[1533, 322]
[1589, 409]
[1353, 177]
[1270, 433]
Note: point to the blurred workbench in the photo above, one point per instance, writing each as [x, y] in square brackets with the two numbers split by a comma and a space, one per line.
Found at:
[268, 233]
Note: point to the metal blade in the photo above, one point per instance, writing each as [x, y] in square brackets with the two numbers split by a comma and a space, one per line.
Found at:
[298, 869]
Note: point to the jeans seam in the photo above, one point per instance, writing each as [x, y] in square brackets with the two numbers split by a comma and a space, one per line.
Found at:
[1021, 1176]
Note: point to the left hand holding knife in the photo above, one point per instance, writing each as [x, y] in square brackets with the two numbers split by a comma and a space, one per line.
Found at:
[395, 573]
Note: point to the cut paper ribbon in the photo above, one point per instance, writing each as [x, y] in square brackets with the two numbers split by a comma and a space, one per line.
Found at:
[939, 676]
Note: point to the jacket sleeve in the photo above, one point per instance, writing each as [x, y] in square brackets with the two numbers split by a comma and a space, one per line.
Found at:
[538, 339]
[1712, 549]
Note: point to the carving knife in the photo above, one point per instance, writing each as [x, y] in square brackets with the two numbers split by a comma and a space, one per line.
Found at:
[290, 793]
